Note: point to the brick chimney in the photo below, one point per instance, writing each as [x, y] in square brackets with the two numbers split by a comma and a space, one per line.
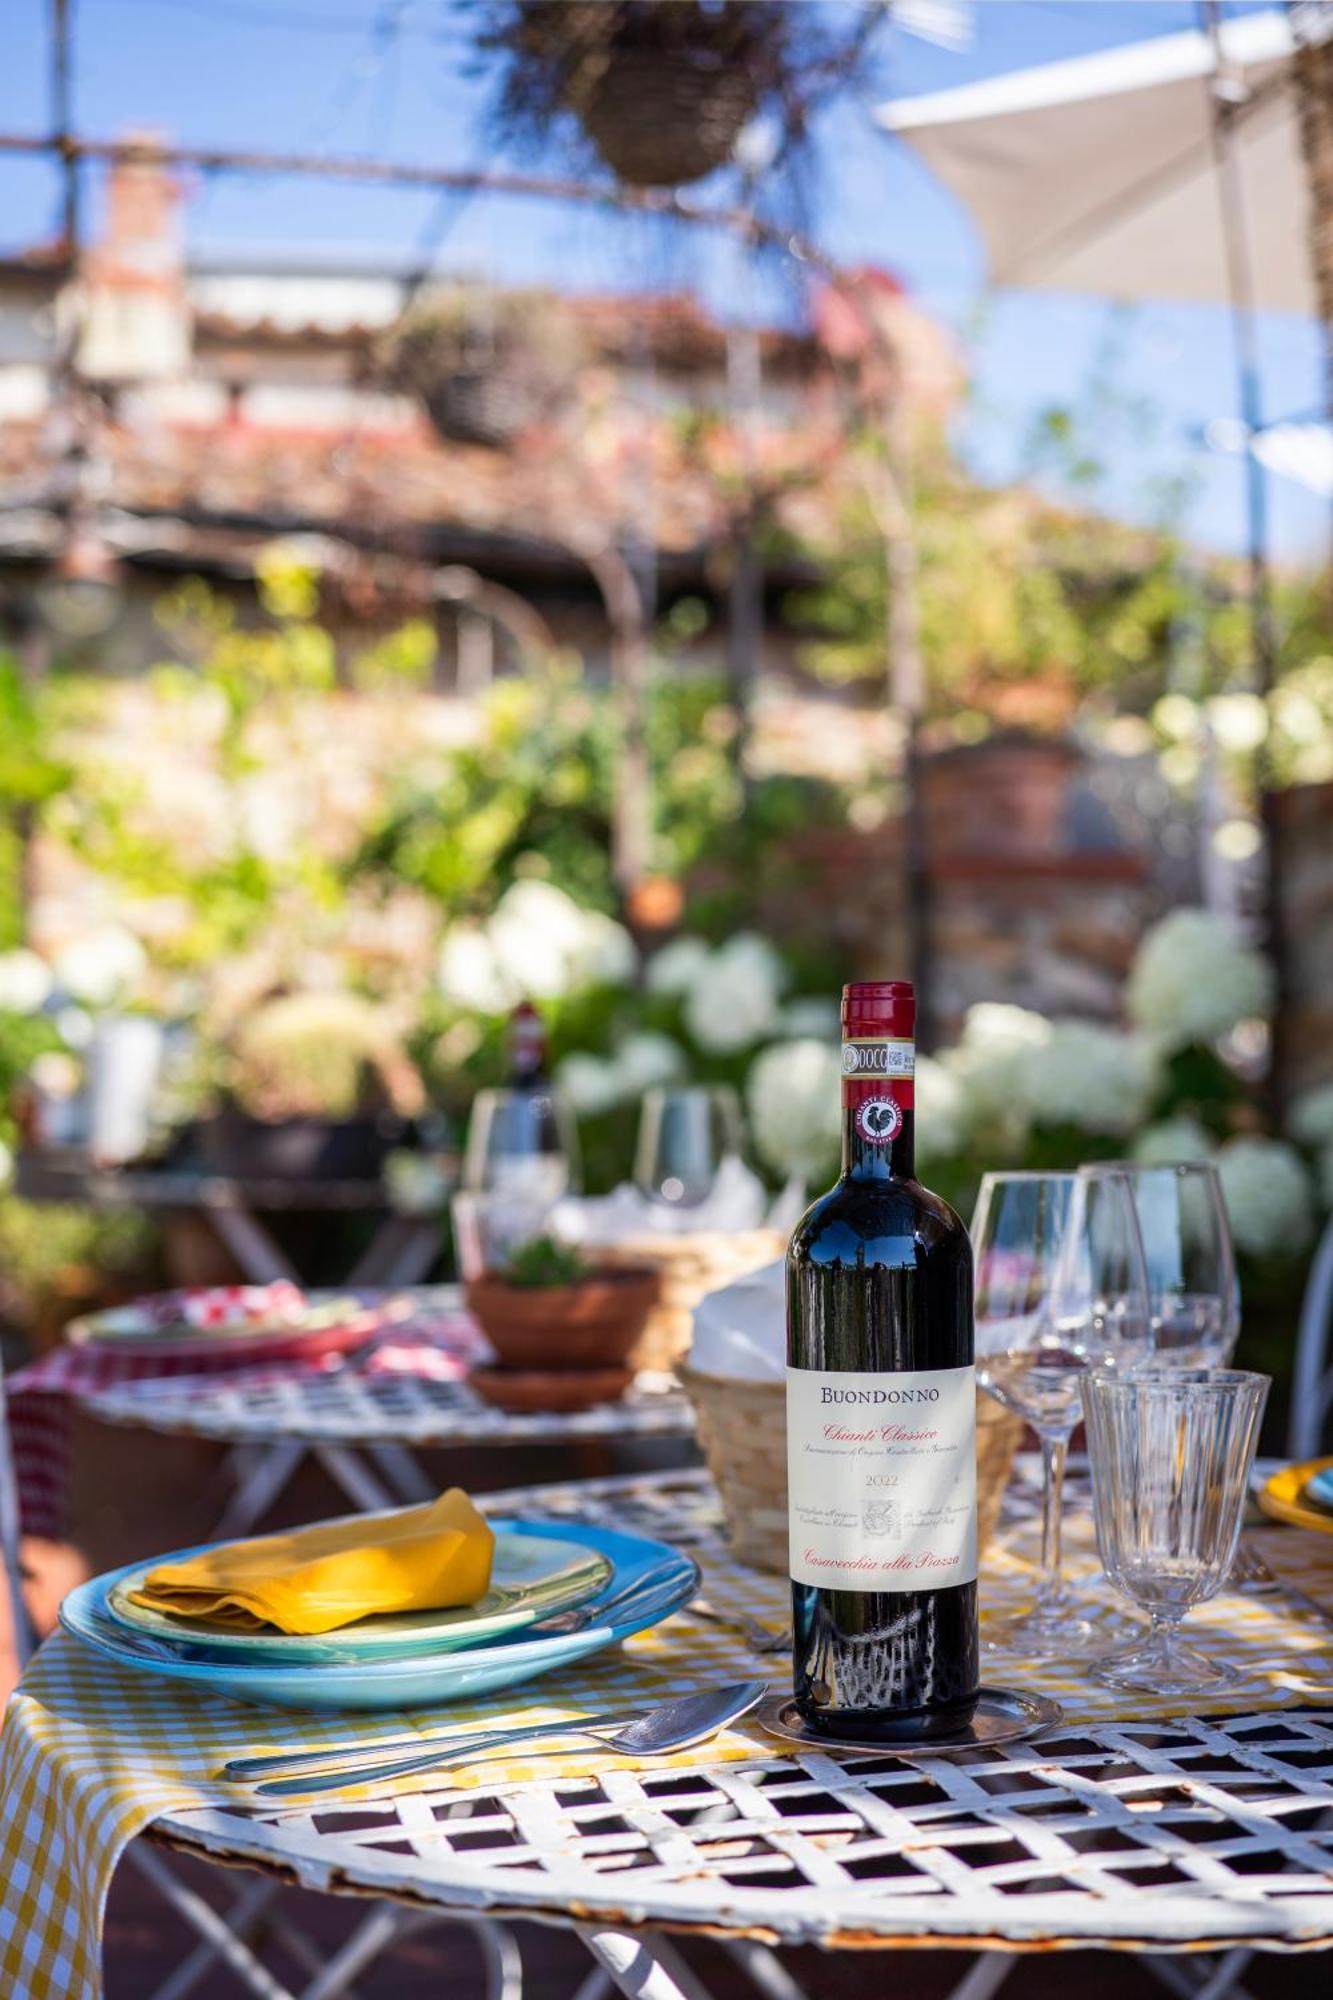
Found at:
[136, 312]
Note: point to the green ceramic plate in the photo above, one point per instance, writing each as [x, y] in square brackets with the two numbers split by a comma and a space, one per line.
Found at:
[530, 1579]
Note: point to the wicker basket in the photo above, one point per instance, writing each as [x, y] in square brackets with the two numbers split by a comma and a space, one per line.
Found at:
[690, 1267]
[743, 1431]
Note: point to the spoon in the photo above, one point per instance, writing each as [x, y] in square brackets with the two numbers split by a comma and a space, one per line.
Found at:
[675, 1725]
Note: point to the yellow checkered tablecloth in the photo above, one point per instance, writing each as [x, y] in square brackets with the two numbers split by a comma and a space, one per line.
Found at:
[91, 1755]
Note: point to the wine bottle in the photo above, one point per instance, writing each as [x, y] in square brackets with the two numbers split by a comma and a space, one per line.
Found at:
[881, 1416]
[525, 1049]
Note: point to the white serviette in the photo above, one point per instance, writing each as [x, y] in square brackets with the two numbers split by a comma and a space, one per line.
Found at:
[736, 1202]
[740, 1330]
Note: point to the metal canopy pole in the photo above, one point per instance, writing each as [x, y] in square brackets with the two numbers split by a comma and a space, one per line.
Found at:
[1227, 100]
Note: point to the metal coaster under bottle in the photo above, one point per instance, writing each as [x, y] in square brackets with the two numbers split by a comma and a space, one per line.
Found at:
[1002, 1715]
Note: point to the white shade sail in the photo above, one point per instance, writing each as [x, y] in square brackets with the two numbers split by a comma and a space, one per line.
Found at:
[1097, 175]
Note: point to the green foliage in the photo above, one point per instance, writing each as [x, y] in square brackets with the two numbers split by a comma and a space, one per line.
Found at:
[320, 1055]
[540, 781]
[30, 776]
[48, 1252]
[543, 1263]
[1010, 591]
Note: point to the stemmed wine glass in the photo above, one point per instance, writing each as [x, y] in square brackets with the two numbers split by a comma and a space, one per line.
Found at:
[521, 1158]
[686, 1136]
[1192, 1293]
[1061, 1288]
[522, 1143]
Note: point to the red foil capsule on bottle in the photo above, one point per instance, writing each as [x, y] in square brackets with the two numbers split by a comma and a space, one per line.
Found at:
[878, 1042]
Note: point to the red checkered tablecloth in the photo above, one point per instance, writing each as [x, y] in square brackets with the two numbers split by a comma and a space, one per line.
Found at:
[438, 1344]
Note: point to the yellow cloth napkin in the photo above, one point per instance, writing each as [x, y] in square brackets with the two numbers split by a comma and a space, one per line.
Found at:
[315, 1579]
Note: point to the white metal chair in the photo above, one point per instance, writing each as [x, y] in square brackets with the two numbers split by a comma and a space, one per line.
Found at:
[1312, 1379]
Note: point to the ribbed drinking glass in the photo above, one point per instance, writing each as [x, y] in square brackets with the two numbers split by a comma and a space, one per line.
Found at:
[1171, 1451]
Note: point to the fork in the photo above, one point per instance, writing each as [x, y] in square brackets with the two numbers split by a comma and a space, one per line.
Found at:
[760, 1638]
[1250, 1567]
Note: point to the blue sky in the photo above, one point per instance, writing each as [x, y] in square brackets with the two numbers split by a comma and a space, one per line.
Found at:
[309, 75]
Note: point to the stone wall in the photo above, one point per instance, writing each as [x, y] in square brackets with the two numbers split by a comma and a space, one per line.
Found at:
[1021, 907]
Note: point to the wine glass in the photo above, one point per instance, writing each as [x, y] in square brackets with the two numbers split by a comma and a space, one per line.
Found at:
[1061, 1287]
[686, 1135]
[522, 1144]
[1170, 1451]
[1192, 1291]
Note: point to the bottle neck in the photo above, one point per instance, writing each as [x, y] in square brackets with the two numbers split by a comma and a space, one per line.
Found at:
[876, 1159]
[527, 1050]
[878, 1111]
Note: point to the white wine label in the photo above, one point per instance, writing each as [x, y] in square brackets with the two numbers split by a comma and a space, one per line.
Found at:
[882, 1478]
[879, 1055]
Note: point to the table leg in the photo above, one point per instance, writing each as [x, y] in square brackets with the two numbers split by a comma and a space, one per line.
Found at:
[261, 1472]
[259, 1257]
[356, 1479]
[402, 1472]
[400, 1253]
[1214, 1979]
[644, 1965]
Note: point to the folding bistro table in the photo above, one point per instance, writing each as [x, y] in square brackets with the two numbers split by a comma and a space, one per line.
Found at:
[1124, 1827]
[401, 1250]
[362, 1427]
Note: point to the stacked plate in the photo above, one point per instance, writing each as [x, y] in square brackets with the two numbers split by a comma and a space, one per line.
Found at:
[557, 1593]
[246, 1323]
[1301, 1494]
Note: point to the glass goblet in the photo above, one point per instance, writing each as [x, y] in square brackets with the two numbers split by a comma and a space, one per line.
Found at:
[1171, 1451]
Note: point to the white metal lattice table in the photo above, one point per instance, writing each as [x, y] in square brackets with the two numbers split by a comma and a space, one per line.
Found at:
[362, 1427]
[1176, 1836]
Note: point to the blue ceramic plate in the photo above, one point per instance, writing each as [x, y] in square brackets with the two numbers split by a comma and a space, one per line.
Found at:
[531, 1578]
[649, 1581]
[1320, 1487]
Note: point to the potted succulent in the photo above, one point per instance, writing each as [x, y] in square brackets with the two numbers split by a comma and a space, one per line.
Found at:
[562, 1329]
[314, 1086]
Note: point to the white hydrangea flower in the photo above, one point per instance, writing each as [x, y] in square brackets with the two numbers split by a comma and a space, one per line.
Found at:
[1086, 1075]
[1193, 979]
[995, 1027]
[734, 999]
[990, 1062]
[1311, 1118]
[589, 1082]
[25, 981]
[102, 967]
[6, 1164]
[941, 1110]
[548, 947]
[469, 974]
[646, 1060]
[535, 933]
[792, 1095]
[1171, 1142]
[605, 954]
[1267, 1193]
[676, 966]
[819, 1019]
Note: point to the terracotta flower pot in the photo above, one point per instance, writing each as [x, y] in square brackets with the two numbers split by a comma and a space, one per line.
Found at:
[592, 1324]
[567, 1390]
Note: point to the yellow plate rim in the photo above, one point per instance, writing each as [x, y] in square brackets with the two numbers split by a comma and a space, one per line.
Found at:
[1281, 1496]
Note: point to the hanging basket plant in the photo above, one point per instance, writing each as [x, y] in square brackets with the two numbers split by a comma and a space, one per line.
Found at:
[486, 367]
[662, 92]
